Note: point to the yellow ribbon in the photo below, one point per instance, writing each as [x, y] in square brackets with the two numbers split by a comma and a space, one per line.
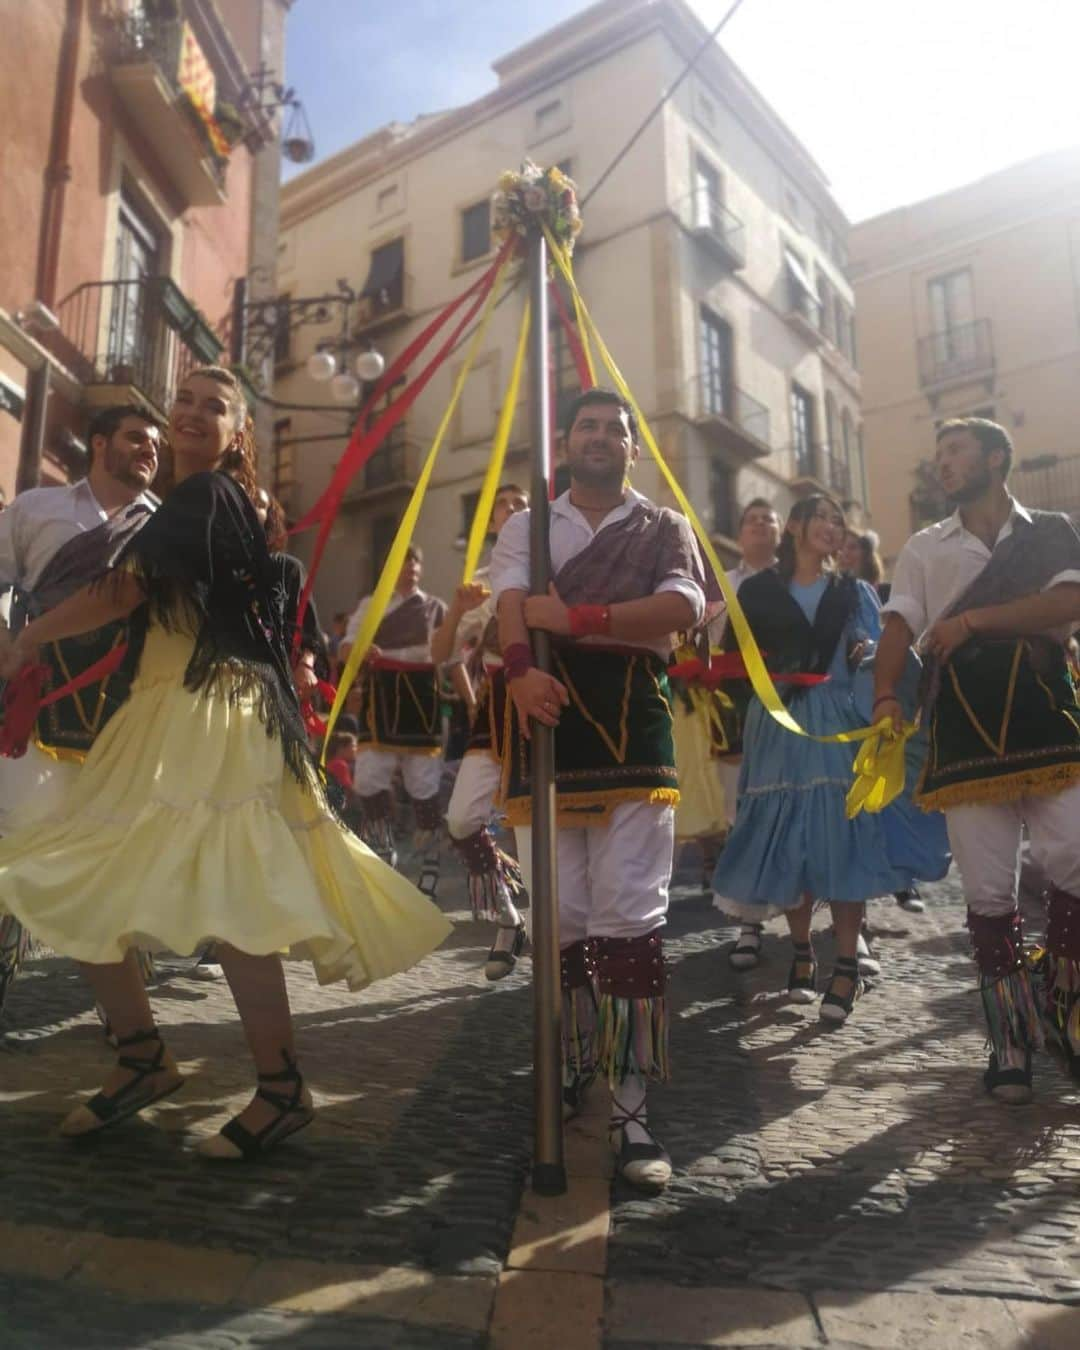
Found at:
[395, 560]
[879, 769]
[480, 521]
[880, 772]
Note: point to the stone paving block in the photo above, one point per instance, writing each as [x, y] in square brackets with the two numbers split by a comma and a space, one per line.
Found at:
[37, 1250]
[666, 1314]
[540, 1309]
[563, 1232]
[392, 1292]
[587, 1152]
[145, 1269]
[889, 1321]
[1046, 1326]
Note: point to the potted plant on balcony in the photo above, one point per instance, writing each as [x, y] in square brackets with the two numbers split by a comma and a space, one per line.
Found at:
[231, 122]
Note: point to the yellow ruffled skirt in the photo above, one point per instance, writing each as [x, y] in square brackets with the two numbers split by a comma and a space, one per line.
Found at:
[700, 813]
[184, 826]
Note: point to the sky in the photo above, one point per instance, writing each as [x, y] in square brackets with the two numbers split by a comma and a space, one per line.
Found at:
[895, 99]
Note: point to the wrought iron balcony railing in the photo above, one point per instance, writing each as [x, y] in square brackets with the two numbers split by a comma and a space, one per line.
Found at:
[145, 54]
[963, 352]
[391, 464]
[142, 334]
[742, 413]
[718, 229]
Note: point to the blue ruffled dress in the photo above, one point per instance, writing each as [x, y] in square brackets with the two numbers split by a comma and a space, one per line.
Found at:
[791, 834]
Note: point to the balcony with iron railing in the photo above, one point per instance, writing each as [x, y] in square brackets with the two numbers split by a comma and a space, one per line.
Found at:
[732, 417]
[136, 336]
[957, 355]
[719, 231]
[385, 309]
[804, 312]
[144, 53]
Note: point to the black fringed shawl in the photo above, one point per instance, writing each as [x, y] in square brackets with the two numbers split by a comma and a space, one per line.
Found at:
[203, 556]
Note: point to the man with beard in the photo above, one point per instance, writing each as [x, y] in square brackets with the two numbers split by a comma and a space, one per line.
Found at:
[994, 592]
[628, 576]
[53, 541]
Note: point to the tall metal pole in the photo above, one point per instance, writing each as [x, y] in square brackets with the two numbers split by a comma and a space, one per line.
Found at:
[549, 1171]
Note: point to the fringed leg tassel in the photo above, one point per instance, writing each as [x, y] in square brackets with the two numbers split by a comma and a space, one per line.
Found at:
[480, 856]
[428, 843]
[632, 1021]
[579, 1009]
[377, 825]
[579, 1030]
[14, 949]
[632, 1038]
[1012, 1017]
[496, 889]
[1061, 972]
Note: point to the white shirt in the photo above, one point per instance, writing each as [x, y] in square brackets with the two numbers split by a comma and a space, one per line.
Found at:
[718, 623]
[569, 534]
[940, 562]
[418, 653]
[42, 520]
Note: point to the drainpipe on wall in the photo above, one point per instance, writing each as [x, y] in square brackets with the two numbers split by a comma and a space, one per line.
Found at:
[58, 171]
[57, 175]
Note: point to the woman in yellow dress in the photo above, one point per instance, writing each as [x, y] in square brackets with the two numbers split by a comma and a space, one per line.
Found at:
[198, 815]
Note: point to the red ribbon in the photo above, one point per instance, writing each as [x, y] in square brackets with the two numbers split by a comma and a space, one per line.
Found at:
[23, 699]
[364, 443]
[573, 339]
[312, 721]
[725, 666]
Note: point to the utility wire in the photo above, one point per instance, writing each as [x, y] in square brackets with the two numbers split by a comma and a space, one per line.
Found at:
[707, 42]
[702, 49]
[704, 46]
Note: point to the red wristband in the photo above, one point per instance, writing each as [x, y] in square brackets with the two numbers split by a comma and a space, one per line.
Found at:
[517, 660]
[589, 620]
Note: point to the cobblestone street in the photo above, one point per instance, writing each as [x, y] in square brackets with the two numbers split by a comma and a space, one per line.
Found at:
[848, 1187]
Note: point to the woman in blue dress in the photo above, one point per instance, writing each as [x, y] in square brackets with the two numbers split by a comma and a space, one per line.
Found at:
[792, 844]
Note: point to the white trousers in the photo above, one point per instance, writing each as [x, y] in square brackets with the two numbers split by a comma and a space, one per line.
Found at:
[613, 879]
[985, 840]
[474, 792]
[374, 772]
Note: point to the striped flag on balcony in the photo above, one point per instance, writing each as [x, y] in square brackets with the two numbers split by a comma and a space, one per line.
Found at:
[196, 79]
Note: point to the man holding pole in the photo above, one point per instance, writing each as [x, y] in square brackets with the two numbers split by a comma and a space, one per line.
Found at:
[628, 575]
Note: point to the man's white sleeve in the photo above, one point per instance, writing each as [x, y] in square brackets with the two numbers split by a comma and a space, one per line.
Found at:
[509, 565]
[908, 594]
[353, 626]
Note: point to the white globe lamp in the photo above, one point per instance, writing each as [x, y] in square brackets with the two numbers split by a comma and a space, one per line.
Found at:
[345, 387]
[322, 366]
[369, 366]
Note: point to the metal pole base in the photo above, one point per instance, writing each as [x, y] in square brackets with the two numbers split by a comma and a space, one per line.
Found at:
[549, 1179]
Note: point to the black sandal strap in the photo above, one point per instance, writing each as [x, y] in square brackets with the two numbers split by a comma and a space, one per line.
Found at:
[252, 1143]
[133, 1096]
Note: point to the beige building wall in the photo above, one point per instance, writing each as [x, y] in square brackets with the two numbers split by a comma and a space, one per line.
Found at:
[1010, 348]
[642, 263]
